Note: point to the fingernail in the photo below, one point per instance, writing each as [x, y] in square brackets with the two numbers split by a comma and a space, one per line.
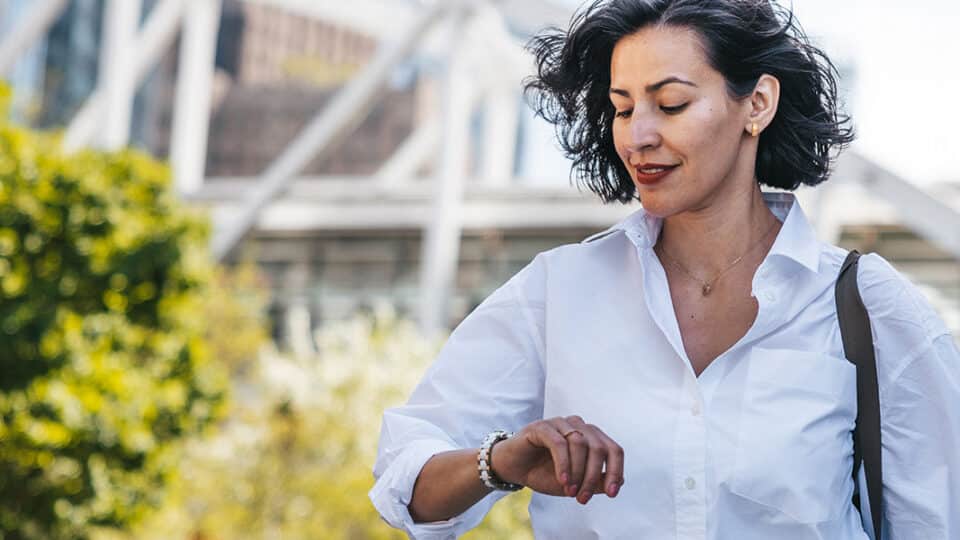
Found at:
[564, 478]
[613, 490]
[572, 490]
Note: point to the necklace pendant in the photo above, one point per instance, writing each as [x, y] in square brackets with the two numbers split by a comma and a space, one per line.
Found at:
[706, 289]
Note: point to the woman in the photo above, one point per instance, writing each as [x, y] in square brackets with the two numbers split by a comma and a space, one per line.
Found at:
[682, 375]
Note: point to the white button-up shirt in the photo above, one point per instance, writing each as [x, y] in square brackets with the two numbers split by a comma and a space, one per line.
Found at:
[758, 446]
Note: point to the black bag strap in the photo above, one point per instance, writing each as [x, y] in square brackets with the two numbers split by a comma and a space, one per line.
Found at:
[858, 348]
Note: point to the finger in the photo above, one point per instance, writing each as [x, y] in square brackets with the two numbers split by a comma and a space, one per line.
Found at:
[578, 451]
[593, 476]
[552, 439]
[613, 477]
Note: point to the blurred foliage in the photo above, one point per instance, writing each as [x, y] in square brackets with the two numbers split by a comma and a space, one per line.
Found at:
[235, 315]
[118, 342]
[6, 96]
[294, 459]
[105, 361]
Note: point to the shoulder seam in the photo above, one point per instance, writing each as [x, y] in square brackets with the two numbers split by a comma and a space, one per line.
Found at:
[930, 335]
[906, 286]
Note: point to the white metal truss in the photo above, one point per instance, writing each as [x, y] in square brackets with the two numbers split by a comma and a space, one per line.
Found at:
[121, 21]
[156, 35]
[415, 153]
[191, 120]
[348, 203]
[481, 44]
[883, 196]
[344, 112]
[34, 26]
[441, 238]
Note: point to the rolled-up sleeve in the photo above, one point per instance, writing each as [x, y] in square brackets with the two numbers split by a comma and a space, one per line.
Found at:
[488, 375]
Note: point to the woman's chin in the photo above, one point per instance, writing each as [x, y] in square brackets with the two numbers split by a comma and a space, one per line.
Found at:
[656, 204]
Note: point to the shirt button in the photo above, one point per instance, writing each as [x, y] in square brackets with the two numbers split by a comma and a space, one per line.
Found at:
[770, 297]
[690, 483]
[695, 409]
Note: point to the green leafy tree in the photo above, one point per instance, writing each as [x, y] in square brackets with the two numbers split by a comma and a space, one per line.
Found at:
[103, 352]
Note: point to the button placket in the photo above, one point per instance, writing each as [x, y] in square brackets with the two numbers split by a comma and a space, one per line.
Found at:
[689, 462]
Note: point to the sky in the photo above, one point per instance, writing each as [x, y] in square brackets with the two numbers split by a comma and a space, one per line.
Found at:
[905, 98]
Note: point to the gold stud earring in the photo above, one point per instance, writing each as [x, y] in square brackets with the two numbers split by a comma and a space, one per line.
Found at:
[754, 129]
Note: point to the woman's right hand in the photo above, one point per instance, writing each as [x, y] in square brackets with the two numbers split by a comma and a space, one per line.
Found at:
[584, 462]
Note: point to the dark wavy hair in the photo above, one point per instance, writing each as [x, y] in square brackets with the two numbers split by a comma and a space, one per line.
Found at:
[743, 40]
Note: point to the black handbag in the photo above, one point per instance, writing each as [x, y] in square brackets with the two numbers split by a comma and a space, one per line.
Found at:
[858, 348]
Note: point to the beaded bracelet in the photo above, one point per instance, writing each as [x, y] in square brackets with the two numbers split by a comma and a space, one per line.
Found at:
[485, 465]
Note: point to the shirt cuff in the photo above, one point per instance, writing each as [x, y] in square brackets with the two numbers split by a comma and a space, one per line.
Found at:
[393, 490]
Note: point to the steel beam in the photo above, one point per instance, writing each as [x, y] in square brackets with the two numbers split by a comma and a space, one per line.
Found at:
[496, 52]
[501, 119]
[352, 202]
[155, 37]
[413, 154]
[344, 112]
[441, 245]
[925, 214]
[194, 93]
[25, 33]
[121, 20]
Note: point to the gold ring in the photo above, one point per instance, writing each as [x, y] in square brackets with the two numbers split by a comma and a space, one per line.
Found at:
[571, 432]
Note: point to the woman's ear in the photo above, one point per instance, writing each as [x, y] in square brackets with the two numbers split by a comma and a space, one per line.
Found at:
[763, 102]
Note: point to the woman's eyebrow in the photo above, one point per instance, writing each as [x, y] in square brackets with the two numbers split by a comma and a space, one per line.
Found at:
[655, 86]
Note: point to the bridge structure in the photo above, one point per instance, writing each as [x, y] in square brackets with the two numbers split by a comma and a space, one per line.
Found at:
[448, 176]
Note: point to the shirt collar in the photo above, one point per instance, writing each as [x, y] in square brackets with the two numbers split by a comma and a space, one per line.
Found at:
[796, 240]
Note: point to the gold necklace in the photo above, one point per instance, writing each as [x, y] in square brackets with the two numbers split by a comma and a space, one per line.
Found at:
[707, 286]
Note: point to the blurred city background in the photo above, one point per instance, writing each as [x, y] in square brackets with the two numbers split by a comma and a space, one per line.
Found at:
[233, 231]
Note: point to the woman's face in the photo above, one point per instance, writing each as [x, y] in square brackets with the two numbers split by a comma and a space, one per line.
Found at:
[673, 109]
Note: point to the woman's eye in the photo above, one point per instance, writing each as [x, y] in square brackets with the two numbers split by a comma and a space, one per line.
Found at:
[624, 114]
[673, 110]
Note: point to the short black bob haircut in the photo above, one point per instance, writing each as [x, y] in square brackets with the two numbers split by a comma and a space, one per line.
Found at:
[743, 39]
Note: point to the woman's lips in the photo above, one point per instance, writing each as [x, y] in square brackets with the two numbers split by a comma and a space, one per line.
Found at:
[648, 179]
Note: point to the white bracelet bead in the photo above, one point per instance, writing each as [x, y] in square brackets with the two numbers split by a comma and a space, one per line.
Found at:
[487, 476]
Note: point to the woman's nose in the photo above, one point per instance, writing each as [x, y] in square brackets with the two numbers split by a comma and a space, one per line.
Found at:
[644, 133]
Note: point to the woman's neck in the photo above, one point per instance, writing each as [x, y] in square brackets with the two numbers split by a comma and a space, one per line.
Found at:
[707, 240]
